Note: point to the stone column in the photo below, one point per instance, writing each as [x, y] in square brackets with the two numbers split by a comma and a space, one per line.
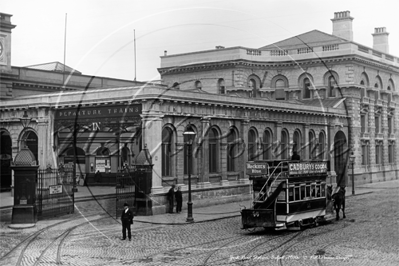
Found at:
[43, 131]
[305, 152]
[242, 163]
[330, 149]
[277, 140]
[204, 167]
[152, 137]
[223, 159]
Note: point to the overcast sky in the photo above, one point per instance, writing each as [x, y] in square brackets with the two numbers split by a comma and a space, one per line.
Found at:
[100, 33]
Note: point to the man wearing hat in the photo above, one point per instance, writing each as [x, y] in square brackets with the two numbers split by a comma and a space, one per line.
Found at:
[127, 220]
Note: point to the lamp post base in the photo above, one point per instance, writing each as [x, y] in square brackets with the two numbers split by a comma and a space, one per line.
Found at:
[190, 218]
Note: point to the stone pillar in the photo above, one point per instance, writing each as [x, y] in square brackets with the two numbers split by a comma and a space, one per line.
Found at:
[204, 168]
[384, 128]
[179, 157]
[330, 141]
[277, 140]
[242, 163]
[43, 134]
[152, 137]
[305, 152]
[223, 159]
[372, 133]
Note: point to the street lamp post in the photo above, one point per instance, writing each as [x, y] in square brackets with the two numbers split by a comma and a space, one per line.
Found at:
[189, 136]
[352, 160]
[25, 120]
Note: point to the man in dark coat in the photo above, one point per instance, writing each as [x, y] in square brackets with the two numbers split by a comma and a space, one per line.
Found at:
[171, 196]
[179, 199]
[127, 220]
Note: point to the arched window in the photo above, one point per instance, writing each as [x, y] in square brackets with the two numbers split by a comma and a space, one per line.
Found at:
[252, 86]
[102, 151]
[31, 140]
[251, 145]
[322, 146]
[284, 145]
[267, 145]
[125, 156]
[312, 145]
[306, 88]
[167, 152]
[391, 86]
[73, 153]
[297, 145]
[280, 84]
[221, 86]
[331, 86]
[213, 151]
[364, 79]
[198, 85]
[232, 150]
[378, 83]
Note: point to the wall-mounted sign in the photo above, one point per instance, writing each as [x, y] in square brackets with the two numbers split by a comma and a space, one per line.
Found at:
[57, 189]
[101, 111]
[103, 164]
[308, 168]
[97, 118]
[256, 168]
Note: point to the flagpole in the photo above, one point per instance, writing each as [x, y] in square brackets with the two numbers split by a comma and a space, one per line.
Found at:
[65, 32]
[134, 55]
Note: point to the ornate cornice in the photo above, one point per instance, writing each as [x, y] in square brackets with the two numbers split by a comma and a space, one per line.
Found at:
[242, 63]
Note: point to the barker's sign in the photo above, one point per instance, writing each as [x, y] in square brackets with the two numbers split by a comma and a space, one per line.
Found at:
[307, 168]
[256, 168]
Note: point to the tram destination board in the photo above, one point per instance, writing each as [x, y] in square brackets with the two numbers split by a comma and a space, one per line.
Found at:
[304, 168]
[256, 168]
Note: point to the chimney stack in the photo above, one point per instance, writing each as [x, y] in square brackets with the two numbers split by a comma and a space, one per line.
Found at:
[342, 25]
[380, 40]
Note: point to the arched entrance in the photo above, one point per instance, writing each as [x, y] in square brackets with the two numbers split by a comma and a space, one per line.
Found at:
[341, 152]
[30, 139]
[5, 158]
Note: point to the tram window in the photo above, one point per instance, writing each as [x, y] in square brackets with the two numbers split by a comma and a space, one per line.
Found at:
[291, 194]
[307, 190]
[281, 196]
[297, 195]
[318, 190]
[303, 192]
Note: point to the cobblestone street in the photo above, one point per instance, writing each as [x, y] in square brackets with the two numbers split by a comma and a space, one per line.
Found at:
[368, 236]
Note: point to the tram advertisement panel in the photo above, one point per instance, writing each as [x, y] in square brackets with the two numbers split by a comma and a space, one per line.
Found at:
[307, 168]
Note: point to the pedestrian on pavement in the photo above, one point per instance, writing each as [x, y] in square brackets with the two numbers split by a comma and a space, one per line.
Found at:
[127, 220]
[179, 199]
[171, 196]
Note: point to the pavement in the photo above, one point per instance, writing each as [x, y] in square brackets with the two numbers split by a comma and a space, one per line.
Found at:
[200, 214]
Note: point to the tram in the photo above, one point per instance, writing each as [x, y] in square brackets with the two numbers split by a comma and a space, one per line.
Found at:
[288, 195]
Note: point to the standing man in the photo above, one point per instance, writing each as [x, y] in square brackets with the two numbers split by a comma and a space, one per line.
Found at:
[127, 220]
[171, 196]
[179, 199]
